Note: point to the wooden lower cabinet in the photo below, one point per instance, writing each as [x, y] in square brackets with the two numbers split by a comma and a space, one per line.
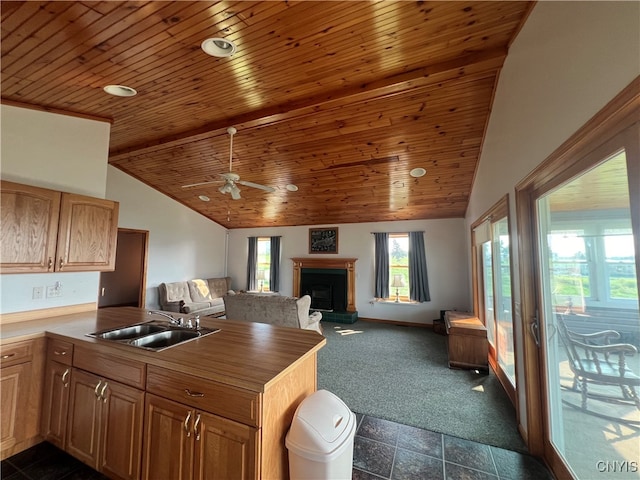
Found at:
[185, 443]
[55, 403]
[105, 425]
[20, 395]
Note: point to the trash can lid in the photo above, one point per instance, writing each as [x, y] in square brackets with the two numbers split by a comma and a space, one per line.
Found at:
[322, 424]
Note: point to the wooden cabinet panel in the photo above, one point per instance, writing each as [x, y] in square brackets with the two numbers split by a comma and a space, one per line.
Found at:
[121, 443]
[230, 402]
[83, 431]
[21, 395]
[223, 448]
[127, 371]
[29, 228]
[14, 391]
[87, 234]
[168, 447]
[55, 403]
[105, 425]
[45, 230]
[185, 443]
[60, 351]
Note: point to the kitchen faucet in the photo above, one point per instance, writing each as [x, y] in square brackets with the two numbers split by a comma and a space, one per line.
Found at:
[175, 321]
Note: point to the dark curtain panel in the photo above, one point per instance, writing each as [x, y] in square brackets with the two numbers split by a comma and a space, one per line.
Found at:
[274, 267]
[418, 279]
[252, 262]
[382, 265]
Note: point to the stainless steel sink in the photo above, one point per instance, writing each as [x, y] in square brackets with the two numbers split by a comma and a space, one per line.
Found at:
[153, 335]
[132, 331]
[164, 339]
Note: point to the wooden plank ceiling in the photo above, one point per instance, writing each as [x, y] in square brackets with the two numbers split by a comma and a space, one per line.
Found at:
[341, 99]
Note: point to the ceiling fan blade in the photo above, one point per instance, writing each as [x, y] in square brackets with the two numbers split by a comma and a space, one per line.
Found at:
[201, 183]
[256, 185]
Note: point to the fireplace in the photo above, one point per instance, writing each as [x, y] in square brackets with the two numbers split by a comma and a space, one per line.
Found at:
[332, 280]
[327, 288]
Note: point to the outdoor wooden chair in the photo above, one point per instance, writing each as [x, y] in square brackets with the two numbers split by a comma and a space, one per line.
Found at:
[594, 358]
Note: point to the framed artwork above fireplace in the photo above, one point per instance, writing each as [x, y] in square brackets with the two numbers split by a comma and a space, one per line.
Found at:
[323, 240]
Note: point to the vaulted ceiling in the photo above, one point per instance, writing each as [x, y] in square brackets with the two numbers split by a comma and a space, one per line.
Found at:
[341, 99]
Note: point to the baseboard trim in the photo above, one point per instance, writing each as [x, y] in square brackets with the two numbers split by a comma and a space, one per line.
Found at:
[16, 317]
[395, 322]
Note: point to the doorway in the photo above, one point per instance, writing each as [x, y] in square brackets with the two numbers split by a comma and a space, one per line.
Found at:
[126, 285]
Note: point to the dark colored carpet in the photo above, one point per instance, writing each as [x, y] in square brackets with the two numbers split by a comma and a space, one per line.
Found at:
[401, 374]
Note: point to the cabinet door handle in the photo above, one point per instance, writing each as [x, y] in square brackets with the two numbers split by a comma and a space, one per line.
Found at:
[58, 352]
[186, 424]
[64, 378]
[196, 427]
[50, 264]
[193, 394]
[96, 390]
[104, 388]
[60, 264]
[9, 355]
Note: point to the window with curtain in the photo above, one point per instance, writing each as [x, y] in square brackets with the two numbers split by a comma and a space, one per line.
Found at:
[263, 268]
[401, 267]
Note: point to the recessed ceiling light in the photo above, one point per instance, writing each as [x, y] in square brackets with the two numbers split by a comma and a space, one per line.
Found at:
[292, 188]
[120, 90]
[418, 172]
[218, 47]
[204, 198]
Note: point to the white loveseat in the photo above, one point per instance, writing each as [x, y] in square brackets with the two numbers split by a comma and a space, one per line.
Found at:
[273, 309]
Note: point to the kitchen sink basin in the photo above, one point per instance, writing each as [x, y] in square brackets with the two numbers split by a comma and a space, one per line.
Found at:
[126, 333]
[153, 335]
[164, 339]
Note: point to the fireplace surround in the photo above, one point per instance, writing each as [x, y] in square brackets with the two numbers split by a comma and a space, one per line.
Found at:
[319, 265]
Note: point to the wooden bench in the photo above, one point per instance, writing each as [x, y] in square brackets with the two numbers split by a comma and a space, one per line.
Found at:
[467, 341]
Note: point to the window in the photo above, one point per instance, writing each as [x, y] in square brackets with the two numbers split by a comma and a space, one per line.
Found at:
[263, 267]
[399, 266]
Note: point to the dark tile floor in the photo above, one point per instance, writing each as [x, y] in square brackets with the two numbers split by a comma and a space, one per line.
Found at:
[381, 450]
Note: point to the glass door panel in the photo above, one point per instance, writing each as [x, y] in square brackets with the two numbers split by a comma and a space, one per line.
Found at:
[588, 284]
[502, 311]
[487, 278]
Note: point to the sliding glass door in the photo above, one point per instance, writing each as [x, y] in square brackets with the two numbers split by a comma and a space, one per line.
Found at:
[578, 218]
[589, 284]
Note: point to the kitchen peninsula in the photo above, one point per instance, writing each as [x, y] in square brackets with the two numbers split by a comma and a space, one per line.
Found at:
[217, 406]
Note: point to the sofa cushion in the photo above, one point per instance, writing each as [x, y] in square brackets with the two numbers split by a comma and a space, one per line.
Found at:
[199, 290]
[218, 287]
[177, 291]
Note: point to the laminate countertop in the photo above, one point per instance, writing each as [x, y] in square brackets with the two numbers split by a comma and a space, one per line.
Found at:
[243, 354]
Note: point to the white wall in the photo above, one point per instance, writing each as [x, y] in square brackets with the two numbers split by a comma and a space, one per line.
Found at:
[62, 153]
[447, 263]
[182, 243]
[569, 61]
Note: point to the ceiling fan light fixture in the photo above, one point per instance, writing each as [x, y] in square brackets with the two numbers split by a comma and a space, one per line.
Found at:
[218, 47]
[120, 90]
[418, 172]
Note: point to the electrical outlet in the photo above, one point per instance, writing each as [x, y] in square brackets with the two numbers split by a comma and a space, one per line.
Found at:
[54, 290]
[38, 293]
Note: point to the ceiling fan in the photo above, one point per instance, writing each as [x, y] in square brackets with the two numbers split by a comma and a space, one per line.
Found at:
[232, 179]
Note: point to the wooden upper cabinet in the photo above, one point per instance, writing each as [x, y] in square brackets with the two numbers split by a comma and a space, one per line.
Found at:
[29, 228]
[45, 231]
[87, 234]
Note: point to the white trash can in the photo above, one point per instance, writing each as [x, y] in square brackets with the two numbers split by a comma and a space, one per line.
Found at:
[320, 440]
